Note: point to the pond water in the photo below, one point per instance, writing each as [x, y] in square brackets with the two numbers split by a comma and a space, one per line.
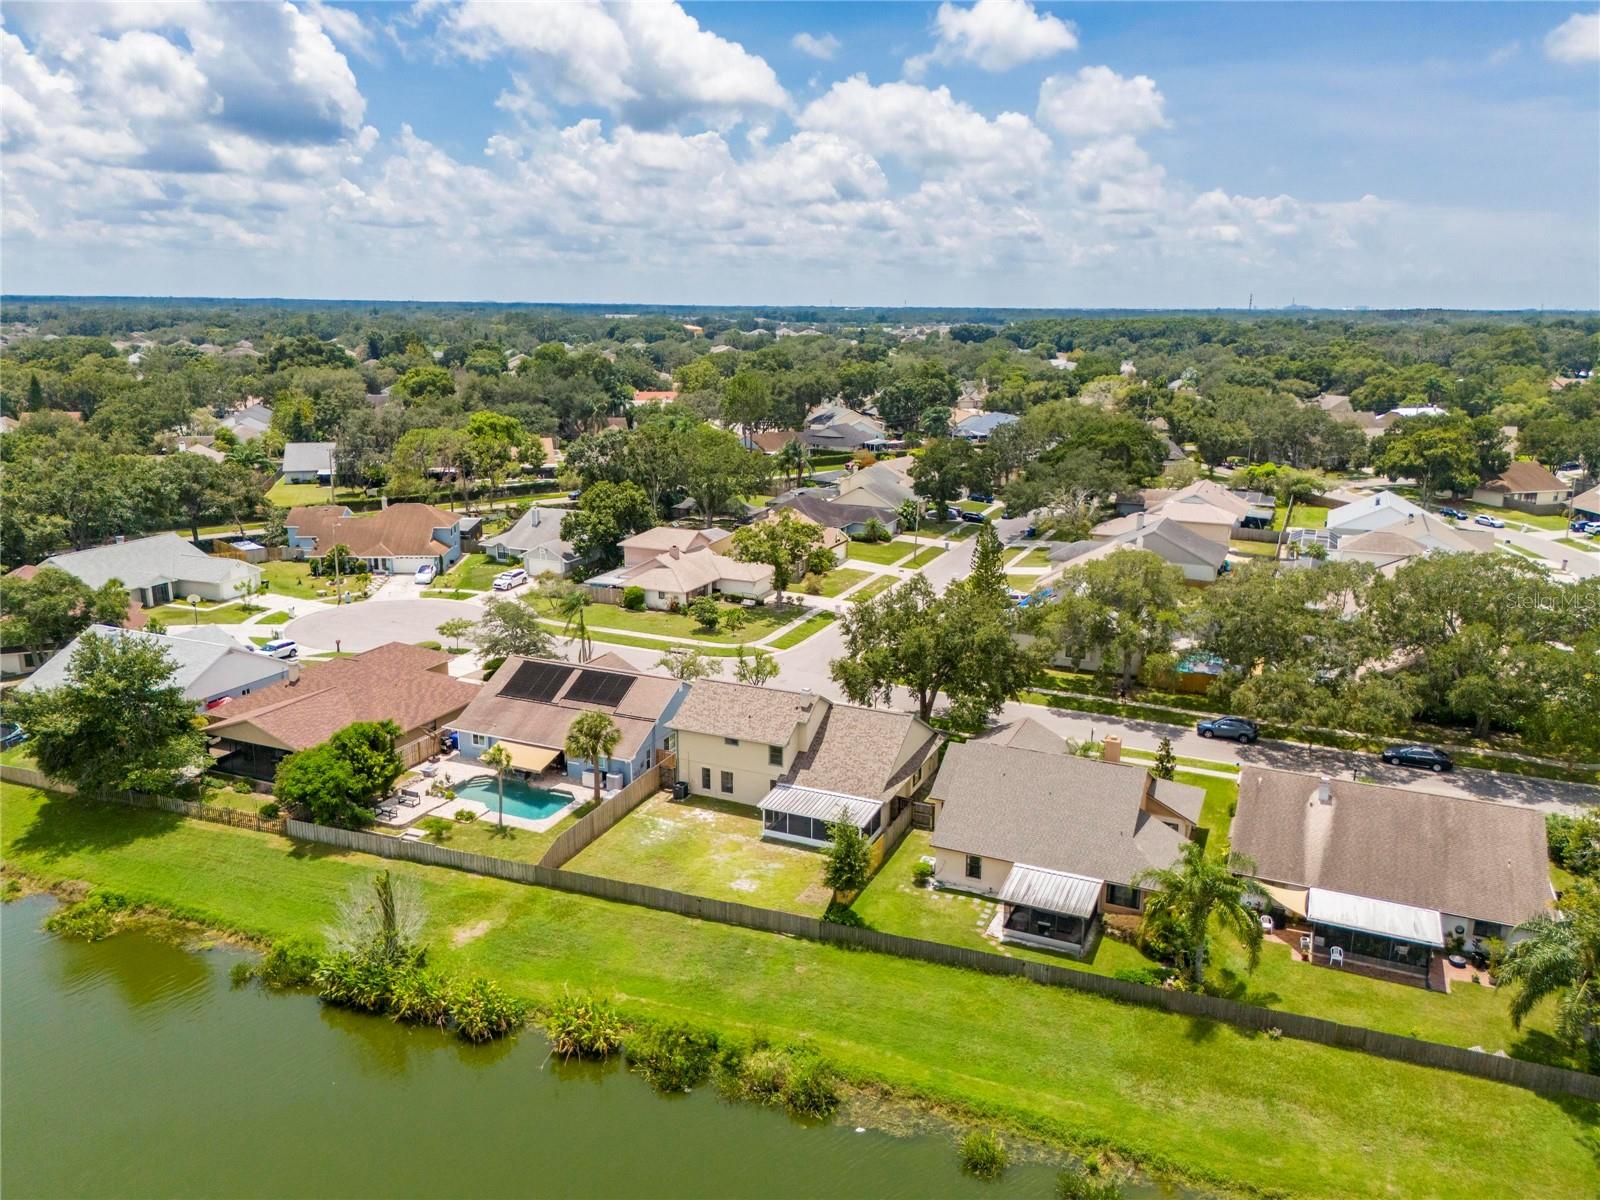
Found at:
[133, 1068]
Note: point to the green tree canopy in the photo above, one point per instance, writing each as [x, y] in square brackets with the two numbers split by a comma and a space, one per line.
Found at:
[341, 781]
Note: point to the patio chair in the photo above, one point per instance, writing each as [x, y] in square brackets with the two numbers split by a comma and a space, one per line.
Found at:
[1336, 956]
[387, 814]
[410, 799]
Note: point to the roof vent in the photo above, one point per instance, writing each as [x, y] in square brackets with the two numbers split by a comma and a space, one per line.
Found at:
[1324, 790]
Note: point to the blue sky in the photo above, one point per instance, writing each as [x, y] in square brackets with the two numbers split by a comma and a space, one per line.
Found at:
[991, 153]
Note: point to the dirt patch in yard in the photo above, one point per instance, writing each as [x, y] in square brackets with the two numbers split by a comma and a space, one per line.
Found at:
[463, 934]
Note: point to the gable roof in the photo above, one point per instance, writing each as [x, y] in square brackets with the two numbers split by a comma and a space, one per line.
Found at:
[393, 682]
[193, 654]
[828, 509]
[830, 536]
[668, 537]
[308, 456]
[866, 752]
[983, 424]
[1026, 734]
[674, 572]
[141, 562]
[1376, 511]
[1461, 856]
[1163, 536]
[1055, 811]
[744, 711]
[399, 530]
[534, 528]
[544, 723]
[1525, 475]
[1587, 501]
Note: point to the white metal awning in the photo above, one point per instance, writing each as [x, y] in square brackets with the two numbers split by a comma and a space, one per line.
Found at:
[1402, 922]
[818, 804]
[1052, 891]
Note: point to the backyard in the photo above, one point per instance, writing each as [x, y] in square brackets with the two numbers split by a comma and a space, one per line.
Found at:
[484, 836]
[299, 495]
[707, 847]
[1104, 1075]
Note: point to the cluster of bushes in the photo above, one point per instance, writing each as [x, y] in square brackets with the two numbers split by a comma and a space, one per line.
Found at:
[92, 919]
[1574, 843]
[406, 988]
[983, 1154]
[1153, 975]
[633, 599]
[677, 1058]
[1088, 1182]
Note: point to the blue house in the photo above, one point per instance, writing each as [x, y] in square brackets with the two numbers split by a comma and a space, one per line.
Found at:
[529, 704]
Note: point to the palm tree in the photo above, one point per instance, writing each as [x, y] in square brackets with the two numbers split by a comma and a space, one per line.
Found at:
[1186, 897]
[1559, 957]
[568, 600]
[592, 738]
[795, 458]
[498, 757]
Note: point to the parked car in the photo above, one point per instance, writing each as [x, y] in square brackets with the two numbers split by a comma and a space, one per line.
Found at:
[1240, 729]
[10, 734]
[1491, 522]
[972, 518]
[1455, 514]
[1584, 526]
[1425, 757]
[980, 497]
[425, 574]
[507, 580]
[281, 648]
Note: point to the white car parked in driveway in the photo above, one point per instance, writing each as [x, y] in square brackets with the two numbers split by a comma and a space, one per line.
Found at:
[507, 580]
[425, 574]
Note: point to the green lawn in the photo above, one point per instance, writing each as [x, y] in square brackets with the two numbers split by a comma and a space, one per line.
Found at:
[759, 622]
[1269, 1115]
[882, 553]
[1183, 761]
[707, 847]
[1306, 516]
[275, 618]
[1031, 558]
[437, 594]
[972, 506]
[872, 589]
[174, 615]
[483, 836]
[613, 638]
[1552, 521]
[1590, 547]
[1024, 583]
[812, 624]
[294, 495]
[474, 573]
[835, 581]
[1253, 549]
[922, 557]
[295, 579]
[17, 756]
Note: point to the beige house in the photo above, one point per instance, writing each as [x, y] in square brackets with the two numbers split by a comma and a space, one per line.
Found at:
[1526, 486]
[641, 548]
[802, 760]
[835, 541]
[1057, 839]
[675, 578]
[1204, 508]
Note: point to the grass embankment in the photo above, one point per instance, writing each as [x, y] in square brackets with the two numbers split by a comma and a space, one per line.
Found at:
[868, 591]
[813, 624]
[1275, 1116]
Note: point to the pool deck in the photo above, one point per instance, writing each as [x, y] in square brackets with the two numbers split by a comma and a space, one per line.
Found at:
[456, 772]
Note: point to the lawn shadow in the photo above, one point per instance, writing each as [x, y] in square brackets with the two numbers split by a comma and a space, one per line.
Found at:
[66, 825]
[1234, 985]
[316, 850]
[1536, 1045]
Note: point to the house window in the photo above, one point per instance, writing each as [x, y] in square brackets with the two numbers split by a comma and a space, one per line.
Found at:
[871, 828]
[775, 756]
[727, 782]
[1122, 897]
[974, 867]
[1172, 825]
[730, 741]
[479, 739]
[661, 595]
[1486, 929]
[705, 779]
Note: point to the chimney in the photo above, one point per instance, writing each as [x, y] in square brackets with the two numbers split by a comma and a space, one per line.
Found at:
[533, 513]
[294, 674]
[1138, 519]
[675, 552]
[1111, 750]
[1324, 790]
[383, 503]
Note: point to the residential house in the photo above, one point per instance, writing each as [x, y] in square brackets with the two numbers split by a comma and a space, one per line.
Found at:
[834, 427]
[160, 570]
[1587, 504]
[308, 462]
[529, 704]
[673, 579]
[1204, 508]
[770, 441]
[249, 422]
[667, 397]
[1386, 879]
[1402, 540]
[1199, 557]
[826, 508]
[1339, 407]
[1025, 734]
[534, 543]
[885, 485]
[1525, 486]
[1058, 840]
[979, 426]
[1379, 510]
[835, 541]
[18, 659]
[409, 685]
[209, 663]
[640, 548]
[397, 539]
[802, 760]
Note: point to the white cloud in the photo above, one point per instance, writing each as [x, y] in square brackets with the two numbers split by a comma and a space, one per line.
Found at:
[1575, 40]
[650, 64]
[1097, 103]
[995, 35]
[823, 47]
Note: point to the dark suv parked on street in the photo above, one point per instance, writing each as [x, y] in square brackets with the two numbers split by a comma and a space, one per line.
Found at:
[1240, 729]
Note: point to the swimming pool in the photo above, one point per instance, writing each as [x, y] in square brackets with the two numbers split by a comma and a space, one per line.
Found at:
[522, 800]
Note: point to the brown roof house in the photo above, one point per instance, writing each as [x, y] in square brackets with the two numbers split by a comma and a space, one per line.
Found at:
[529, 704]
[397, 539]
[802, 760]
[1055, 838]
[409, 685]
[675, 566]
[1385, 879]
[1526, 486]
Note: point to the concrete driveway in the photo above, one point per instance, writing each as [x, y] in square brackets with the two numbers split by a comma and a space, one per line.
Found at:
[357, 627]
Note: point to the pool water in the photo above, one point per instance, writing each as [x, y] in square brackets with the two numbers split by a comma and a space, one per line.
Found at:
[522, 800]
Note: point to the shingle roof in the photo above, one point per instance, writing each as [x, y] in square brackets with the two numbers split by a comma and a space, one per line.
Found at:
[534, 528]
[400, 529]
[692, 571]
[1026, 734]
[863, 751]
[1049, 810]
[743, 711]
[1165, 537]
[141, 562]
[1587, 501]
[308, 456]
[1525, 475]
[545, 722]
[393, 682]
[192, 655]
[1461, 856]
[1182, 798]
[829, 510]
[665, 537]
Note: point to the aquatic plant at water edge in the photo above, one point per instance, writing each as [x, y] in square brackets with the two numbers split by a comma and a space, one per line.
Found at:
[583, 1027]
[983, 1154]
[482, 1011]
[92, 919]
[673, 1058]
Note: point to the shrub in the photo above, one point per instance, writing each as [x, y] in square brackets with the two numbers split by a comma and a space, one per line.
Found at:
[1089, 1182]
[92, 919]
[466, 814]
[491, 665]
[811, 585]
[812, 1089]
[983, 1154]
[672, 1058]
[289, 964]
[583, 1027]
[1153, 976]
[435, 829]
[843, 914]
[269, 811]
[481, 1011]
[707, 613]
[633, 599]
[431, 645]
[922, 873]
[421, 996]
[799, 1079]
[360, 981]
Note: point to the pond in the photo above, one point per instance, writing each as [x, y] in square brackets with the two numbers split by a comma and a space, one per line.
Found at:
[133, 1067]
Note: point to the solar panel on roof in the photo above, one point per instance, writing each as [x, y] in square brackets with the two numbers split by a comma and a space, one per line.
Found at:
[536, 681]
[606, 688]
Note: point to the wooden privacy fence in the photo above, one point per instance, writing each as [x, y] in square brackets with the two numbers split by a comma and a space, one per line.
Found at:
[1535, 1076]
[219, 814]
[598, 820]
